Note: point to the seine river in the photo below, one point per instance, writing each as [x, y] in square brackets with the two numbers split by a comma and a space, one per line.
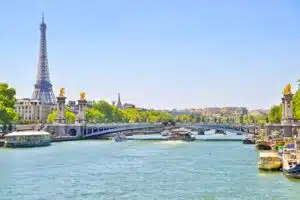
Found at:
[140, 170]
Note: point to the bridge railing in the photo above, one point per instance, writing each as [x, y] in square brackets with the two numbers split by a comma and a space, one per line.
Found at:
[102, 129]
[125, 125]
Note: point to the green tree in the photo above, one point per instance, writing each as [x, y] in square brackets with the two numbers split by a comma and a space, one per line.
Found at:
[275, 114]
[106, 109]
[132, 115]
[198, 119]
[70, 116]
[296, 105]
[103, 111]
[111, 113]
[166, 117]
[94, 116]
[153, 119]
[261, 119]
[7, 103]
[184, 118]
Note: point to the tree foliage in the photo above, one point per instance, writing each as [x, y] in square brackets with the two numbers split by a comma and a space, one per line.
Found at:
[70, 116]
[296, 105]
[275, 114]
[7, 103]
[104, 112]
[110, 112]
[94, 116]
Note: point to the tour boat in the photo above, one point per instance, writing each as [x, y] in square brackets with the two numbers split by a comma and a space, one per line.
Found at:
[201, 132]
[165, 133]
[27, 139]
[261, 145]
[119, 138]
[269, 161]
[181, 134]
[220, 132]
[248, 141]
[290, 165]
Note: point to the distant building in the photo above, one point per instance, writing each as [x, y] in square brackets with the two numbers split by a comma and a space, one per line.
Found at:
[241, 111]
[180, 112]
[119, 104]
[128, 105]
[217, 115]
[211, 111]
[141, 109]
[258, 112]
[75, 108]
[89, 104]
[33, 110]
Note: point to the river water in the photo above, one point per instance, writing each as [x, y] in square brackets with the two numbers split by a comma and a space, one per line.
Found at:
[140, 170]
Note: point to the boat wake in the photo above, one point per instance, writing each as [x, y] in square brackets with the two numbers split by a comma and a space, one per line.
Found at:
[169, 142]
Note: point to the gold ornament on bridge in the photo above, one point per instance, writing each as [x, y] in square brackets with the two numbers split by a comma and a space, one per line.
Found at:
[287, 89]
[62, 92]
[82, 96]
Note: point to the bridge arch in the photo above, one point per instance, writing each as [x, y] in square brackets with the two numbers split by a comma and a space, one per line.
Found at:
[72, 132]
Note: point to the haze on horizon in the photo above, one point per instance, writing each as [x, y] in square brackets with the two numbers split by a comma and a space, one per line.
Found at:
[159, 54]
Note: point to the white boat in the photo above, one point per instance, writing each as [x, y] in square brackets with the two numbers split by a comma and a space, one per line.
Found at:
[119, 138]
[269, 161]
[290, 166]
[181, 134]
[291, 161]
[165, 133]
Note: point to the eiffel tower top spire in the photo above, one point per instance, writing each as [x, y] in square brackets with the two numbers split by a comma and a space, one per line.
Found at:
[43, 88]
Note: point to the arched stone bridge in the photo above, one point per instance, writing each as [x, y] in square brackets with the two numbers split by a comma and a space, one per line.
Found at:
[225, 127]
[90, 131]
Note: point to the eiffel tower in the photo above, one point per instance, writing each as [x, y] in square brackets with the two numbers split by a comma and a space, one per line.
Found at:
[43, 88]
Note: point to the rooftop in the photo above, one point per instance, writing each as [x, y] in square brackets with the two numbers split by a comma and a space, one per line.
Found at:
[27, 133]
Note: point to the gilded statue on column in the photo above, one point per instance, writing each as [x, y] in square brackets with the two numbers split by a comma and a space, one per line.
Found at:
[287, 89]
[62, 92]
[82, 96]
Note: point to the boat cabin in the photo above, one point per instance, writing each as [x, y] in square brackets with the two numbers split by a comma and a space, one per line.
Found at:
[181, 135]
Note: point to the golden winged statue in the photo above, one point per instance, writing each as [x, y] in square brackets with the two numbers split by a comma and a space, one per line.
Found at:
[82, 96]
[62, 92]
[287, 89]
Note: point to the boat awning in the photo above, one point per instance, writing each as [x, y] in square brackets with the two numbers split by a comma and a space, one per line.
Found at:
[290, 146]
[268, 154]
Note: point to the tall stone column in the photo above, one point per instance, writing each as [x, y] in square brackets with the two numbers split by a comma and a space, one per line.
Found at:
[282, 107]
[61, 100]
[81, 119]
[287, 111]
[287, 117]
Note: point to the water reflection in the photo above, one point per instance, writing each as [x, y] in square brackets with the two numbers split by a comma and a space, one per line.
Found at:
[265, 173]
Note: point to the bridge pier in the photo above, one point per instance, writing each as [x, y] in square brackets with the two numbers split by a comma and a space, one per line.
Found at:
[61, 118]
[81, 119]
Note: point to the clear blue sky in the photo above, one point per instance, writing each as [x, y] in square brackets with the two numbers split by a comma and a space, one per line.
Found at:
[160, 54]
